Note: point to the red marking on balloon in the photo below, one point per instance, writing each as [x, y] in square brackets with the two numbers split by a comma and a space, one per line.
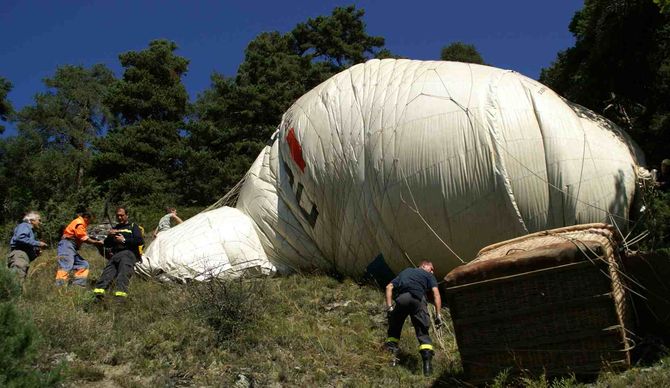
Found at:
[296, 149]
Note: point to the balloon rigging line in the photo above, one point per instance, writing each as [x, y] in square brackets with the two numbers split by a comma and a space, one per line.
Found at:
[230, 197]
[617, 227]
[617, 270]
[635, 225]
[581, 170]
[636, 239]
[608, 276]
[471, 119]
[415, 209]
[502, 146]
[620, 272]
[627, 243]
[408, 259]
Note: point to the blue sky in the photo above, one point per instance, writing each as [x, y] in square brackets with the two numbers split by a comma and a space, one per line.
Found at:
[39, 36]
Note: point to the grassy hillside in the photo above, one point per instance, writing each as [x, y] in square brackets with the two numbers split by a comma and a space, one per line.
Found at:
[302, 330]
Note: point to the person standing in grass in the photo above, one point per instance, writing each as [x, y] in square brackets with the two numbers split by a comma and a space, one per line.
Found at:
[124, 240]
[165, 222]
[23, 246]
[410, 288]
[74, 235]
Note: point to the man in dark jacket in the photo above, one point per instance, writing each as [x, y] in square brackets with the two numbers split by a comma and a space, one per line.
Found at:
[124, 241]
[410, 288]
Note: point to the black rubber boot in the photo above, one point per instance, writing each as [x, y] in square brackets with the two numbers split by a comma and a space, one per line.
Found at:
[427, 357]
[120, 300]
[395, 360]
[392, 347]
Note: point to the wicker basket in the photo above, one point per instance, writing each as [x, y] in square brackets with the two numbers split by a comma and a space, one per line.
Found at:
[548, 303]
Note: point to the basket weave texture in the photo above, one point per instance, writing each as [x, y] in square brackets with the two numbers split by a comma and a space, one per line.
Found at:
[548, 303]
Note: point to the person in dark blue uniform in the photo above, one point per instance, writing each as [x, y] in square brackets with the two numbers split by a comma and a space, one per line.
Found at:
[410, 288]
[124, 241]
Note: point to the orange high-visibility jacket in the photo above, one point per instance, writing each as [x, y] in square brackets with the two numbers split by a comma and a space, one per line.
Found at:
[76, 230]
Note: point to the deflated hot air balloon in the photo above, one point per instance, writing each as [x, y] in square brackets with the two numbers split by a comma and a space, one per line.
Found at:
[409, 160]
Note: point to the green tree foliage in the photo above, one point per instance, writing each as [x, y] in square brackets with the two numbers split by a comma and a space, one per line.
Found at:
[151, 87]
[339, 39]
[277, 69]
[664, 5]
[219, 151]
[15, 175]
[461, 52]
[271, 77]
[233, 119]
[71, 114]
[44, 167]
[6, 108]
[139, 138]
[141, 156]
[620, 67]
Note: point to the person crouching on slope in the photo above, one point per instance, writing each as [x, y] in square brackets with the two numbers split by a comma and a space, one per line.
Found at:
[124, 241]
[74, 235]
[410, 288]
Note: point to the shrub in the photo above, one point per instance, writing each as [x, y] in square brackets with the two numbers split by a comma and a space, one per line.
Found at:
[656, 219]
[228, 305]
[10, 289]
[18, 339]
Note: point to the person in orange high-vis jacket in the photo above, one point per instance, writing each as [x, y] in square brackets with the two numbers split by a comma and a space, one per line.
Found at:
[69, 259]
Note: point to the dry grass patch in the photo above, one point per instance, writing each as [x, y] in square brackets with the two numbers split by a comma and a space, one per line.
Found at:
[301, 330]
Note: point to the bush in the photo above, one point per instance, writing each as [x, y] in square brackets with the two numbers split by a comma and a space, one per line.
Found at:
[228, 305]
[10, 289]
[656, 219]
[18, 339]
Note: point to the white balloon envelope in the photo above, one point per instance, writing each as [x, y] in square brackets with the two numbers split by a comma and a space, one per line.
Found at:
[412, 160]
[218, 243]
